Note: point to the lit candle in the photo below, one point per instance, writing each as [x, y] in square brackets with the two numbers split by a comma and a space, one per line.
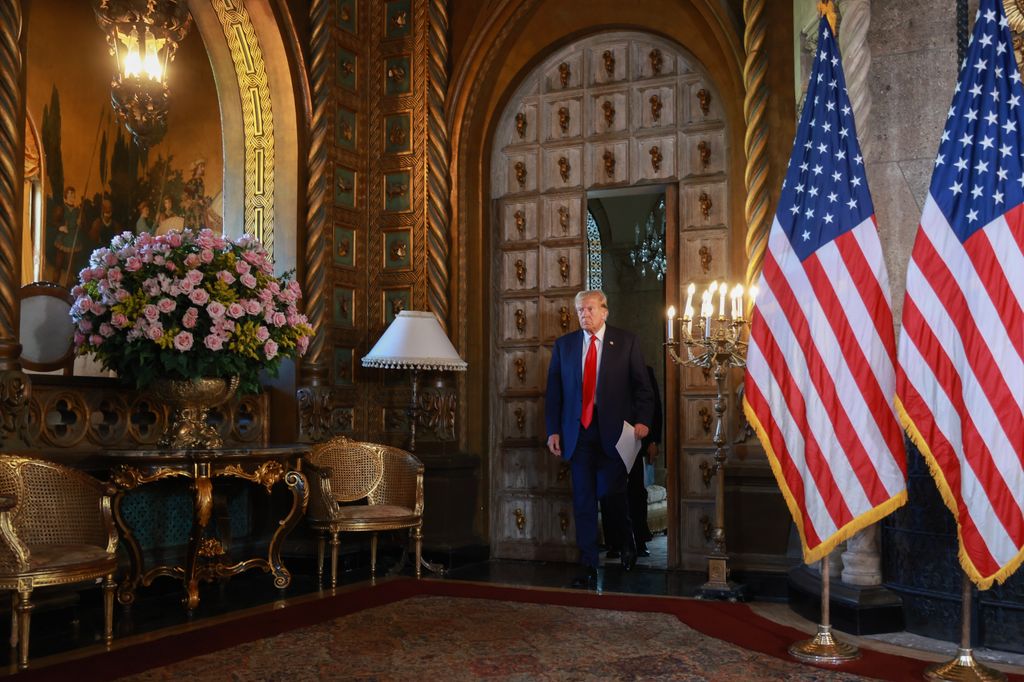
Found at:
[737, 302]
[689, 296]
[688, 318]
[722, 288]
[752, 294]
[671, 316]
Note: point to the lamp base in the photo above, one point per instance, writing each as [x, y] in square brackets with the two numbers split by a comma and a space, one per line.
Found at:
[718, 585]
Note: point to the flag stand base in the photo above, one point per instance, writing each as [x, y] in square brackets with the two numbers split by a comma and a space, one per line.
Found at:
[964, 667]
[823, 648]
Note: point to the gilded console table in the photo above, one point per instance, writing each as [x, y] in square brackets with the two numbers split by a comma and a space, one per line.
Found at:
[205, 556]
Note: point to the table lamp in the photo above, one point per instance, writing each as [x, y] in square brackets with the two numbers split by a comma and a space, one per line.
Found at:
[414, 340]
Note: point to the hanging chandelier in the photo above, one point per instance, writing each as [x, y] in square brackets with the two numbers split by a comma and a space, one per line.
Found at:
[648, 252]
[143, 36]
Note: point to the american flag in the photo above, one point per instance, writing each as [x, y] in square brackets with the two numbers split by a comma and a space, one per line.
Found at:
[961, 351]
[821, 360]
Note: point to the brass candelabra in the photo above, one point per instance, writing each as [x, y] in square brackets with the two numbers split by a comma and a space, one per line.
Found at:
[717, 344]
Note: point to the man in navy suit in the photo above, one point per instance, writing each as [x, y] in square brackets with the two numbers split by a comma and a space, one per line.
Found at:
[597, 380]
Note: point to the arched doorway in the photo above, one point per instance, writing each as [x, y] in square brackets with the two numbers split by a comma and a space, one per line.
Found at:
[614, 110]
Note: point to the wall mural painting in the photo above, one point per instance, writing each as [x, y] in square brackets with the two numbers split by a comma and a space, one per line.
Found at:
[97, 183]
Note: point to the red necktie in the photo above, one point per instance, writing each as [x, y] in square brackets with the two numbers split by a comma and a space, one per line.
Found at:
[589, 382]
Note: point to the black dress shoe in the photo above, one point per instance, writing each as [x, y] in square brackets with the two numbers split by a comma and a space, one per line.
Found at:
[586, 580]
[612, 554]
[628, 559]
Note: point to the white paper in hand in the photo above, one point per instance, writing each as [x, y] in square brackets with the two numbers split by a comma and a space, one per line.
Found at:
[628, 445]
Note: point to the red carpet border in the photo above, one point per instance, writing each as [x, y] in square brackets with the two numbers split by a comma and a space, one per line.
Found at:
[733, 623]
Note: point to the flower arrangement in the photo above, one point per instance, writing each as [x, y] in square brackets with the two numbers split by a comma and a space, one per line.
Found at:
[187, 305]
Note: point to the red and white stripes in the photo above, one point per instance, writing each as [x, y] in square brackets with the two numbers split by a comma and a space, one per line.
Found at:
[820, 383]
[961, 381]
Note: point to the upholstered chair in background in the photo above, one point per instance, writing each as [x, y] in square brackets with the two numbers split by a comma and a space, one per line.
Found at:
[363, 487]
[56, 528]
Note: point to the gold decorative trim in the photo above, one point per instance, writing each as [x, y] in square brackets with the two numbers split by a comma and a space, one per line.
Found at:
[755, 142]
[257, 118]
[11, 168]
[436, 204]
[318, 197]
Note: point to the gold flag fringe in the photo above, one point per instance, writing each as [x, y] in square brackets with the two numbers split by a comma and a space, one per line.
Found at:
[854, 526]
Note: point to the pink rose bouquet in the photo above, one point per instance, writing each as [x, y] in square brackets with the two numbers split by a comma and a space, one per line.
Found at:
[187, 306]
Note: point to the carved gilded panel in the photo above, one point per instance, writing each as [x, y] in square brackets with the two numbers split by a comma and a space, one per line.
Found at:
[563, 118]
[525, 370]
[519, 270]
[519, 221]
[521, 469]
[563, 168]
[652, 61]
[558, 317]
[563, 267]
[523, 128]
[566, 74]
[654, 107]
[519, 321]
[607, 163]
[524, 423]
[703, 206]
[704, 256]
[606, 63]
[654, 158]
[703, 152]
[521, 172]
[608, 112]
[563, 217]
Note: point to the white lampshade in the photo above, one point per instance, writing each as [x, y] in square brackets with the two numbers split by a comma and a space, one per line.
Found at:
[414, 340]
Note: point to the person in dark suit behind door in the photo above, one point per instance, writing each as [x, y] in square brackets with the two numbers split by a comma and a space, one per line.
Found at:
[636, 489]
[597, 380]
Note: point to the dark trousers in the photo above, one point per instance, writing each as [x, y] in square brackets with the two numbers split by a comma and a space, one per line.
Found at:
[636, 494]
[596, 475]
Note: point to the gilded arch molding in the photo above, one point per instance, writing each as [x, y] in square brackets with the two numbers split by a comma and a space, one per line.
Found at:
[257, 118]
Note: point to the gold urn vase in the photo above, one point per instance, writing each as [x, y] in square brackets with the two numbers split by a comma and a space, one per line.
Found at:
[190, 401]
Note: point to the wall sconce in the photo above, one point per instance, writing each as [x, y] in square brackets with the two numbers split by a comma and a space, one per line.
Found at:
[143, 36]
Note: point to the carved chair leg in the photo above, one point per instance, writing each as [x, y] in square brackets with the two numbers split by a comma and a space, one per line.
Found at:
[14, 619]
[334, 558]
[321, 542]
[417, 534]
[373, 555]
[24, 621]
[109, 588]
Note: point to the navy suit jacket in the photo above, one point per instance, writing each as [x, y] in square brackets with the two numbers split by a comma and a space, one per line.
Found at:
[623, 391]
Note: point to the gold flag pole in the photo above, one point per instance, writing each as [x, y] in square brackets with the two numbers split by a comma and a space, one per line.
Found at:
[964, 666]
[823, 647]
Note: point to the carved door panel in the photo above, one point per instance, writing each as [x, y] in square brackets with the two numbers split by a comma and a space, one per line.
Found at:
[539, 269]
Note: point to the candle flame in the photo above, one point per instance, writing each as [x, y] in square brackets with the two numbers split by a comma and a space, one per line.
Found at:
[671, 311]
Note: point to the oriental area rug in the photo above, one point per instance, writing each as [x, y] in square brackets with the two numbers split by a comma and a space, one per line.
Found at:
[411, 630]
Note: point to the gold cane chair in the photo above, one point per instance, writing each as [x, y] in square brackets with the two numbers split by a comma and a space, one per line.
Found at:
[56, 528]
[363, 487]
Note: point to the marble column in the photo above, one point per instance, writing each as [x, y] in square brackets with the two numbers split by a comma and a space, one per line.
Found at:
[862, 560]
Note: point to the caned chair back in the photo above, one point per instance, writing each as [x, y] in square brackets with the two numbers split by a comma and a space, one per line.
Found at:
[46, 332]
[56, 505]
[356, 469]
[399, 484]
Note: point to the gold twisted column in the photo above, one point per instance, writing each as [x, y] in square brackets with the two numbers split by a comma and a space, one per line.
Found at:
[314, 396]
[755, 142]
[14, 385]
[438, 187]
